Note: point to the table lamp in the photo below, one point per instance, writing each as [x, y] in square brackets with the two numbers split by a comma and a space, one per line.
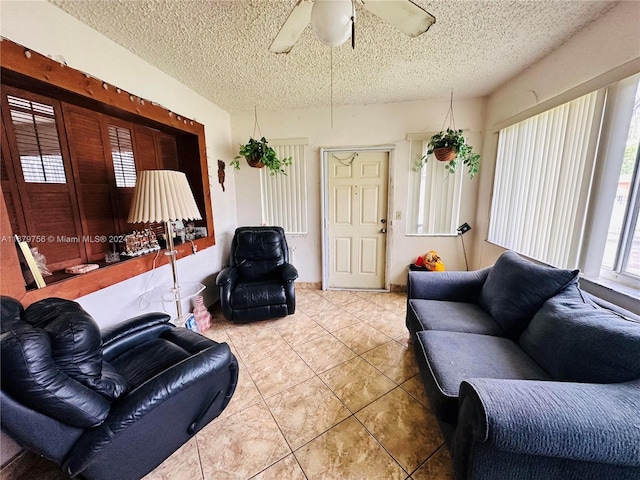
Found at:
[164, 196]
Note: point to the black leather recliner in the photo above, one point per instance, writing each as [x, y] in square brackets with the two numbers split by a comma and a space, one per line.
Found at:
[110, 404]
[258, 284]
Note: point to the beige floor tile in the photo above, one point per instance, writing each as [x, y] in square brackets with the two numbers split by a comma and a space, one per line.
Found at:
[300, 329]
[437, 467]
[257, 346]
[360, 307]
[390, 323]
[324, 353]
[347, 451]
[361, 337]
[415, 388]
[339, 297]
[305, 411]
[280, 371]
[241, 445]
[246, 393]
[184, 464]
[285, 469]
[334, 318]
[394, 360]
[396, 417]
[316, 306]
[356, 383]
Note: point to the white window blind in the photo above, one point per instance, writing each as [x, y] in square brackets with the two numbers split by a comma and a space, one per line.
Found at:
[284, 197]
[434, 194]
[124, 165]
[543, 174]
[37, 139]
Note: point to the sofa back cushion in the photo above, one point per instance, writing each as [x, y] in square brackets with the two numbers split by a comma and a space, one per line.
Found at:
[575, 340]
[258, 251]
[30, 376]
[76, 344]
[515, 290]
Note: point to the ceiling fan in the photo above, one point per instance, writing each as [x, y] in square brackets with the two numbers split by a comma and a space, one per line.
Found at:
[333, 21]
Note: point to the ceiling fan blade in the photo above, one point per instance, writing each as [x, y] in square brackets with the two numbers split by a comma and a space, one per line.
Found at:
[293, 27]
[405, 15]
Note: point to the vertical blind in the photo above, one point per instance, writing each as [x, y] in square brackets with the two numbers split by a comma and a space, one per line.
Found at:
[434, 195]
[543, 174]
[284, 197]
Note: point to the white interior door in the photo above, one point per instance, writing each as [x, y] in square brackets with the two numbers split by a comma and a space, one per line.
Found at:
[357, 218]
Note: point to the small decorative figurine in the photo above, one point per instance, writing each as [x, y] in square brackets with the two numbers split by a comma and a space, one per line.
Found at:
[221, 173]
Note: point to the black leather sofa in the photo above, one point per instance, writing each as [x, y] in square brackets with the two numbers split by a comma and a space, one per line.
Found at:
[259, 282]
[111, 404]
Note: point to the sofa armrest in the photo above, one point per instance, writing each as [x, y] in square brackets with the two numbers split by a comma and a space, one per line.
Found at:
[288, 272]
[163, 409]
[227, 276]
[582, 422]
[132, 332]
[448, 286]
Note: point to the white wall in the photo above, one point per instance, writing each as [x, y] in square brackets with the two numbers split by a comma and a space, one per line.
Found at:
[361, 126]
[605, 47]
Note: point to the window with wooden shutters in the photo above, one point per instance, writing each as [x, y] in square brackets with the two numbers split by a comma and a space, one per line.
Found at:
[39, 172]
[37, 140]
[124, 165]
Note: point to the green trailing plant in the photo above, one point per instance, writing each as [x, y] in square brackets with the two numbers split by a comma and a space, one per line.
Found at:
[464, 152]
[258, 151]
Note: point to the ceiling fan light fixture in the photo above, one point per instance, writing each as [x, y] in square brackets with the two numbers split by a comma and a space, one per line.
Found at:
[331, 21]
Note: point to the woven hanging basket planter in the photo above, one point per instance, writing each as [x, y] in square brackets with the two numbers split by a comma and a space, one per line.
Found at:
[255, 162]
[445, 154]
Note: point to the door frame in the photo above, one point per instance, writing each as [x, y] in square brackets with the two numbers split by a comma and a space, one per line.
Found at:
[324, 204]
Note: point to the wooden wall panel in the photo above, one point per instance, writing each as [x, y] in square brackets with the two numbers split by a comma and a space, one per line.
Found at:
[93, 172]
[29, 70]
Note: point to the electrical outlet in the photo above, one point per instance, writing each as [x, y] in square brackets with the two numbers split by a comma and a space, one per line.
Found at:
[464, 228]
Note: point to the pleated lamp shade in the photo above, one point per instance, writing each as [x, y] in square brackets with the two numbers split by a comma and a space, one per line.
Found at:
[162, 196]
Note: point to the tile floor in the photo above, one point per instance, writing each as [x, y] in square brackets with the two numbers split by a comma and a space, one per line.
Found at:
[330, 392]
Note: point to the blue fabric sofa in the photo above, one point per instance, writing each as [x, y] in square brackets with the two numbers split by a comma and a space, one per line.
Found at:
[529, 376]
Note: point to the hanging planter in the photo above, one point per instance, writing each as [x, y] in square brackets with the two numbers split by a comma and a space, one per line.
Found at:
[259, 154]
[451, 146]
[445, 154]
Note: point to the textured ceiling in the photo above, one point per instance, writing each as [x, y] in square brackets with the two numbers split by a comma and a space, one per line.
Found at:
[219, 48]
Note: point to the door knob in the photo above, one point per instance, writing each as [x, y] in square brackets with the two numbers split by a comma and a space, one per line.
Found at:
[383, 230]
[383, 220]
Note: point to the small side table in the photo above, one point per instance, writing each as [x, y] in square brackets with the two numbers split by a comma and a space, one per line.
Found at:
[166, 293]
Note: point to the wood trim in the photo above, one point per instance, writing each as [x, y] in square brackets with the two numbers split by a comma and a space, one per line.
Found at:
[33, 69]
[25, 61]
[95, 280]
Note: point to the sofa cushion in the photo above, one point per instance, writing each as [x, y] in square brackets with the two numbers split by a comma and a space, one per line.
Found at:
[452, 317]
[452, 357]
[148, 359]
[574, 340]
[516, 289]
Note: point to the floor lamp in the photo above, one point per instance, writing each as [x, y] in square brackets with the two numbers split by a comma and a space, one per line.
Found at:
[164, 196]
